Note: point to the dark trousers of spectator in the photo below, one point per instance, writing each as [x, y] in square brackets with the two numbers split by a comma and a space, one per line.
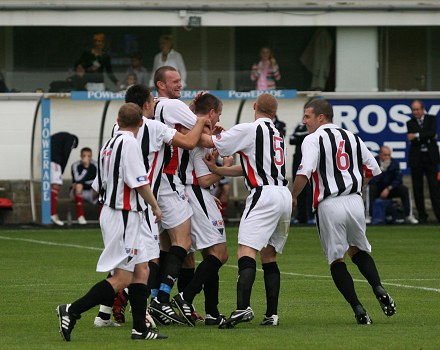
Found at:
[305, 198]
[428, 169]
[401, 192]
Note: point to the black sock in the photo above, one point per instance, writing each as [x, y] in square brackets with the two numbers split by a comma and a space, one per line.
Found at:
[367, 267]
[152, 277]
[173, 264]
[272, 285]
[210, 289]
[156, 283]
[247, 269]
[184, 278]
[137, 294]
[101, 293]
[208, 267]
[106, 310]
[344, 282]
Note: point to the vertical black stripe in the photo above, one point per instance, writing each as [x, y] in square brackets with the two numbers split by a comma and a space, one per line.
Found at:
[246, 177]
[360, 164]
[116, 175]
[336, 172]
[259, 154]
[283, 167]
[183, 166]
[349, 151]
[158, 180]
[145, 146]
[125, 219]
[170, 178]
[147, 217]
[273, 167]
[199, 195]
[255, 199]
[323, 168]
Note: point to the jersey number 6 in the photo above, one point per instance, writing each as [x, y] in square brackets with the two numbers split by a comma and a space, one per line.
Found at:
[342, 159]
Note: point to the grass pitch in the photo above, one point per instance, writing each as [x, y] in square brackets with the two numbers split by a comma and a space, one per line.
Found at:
[41, 268]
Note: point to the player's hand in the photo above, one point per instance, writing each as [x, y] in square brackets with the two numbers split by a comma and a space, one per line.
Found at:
[192, 105]
[228, 161]
[217, 129]
[157, 213]
[210, 162]
[411, 136]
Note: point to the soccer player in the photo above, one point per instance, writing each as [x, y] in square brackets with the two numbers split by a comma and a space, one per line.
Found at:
[152, 138]
[172, 198]
[336, 160]
[83, 173]
[207, 226]
[123, 186]
[265, 221]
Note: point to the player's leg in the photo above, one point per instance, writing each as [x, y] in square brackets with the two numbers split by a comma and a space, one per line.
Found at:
[103, 318]
[186, 273]
[272, 281]
[367, 267]
[101, 293]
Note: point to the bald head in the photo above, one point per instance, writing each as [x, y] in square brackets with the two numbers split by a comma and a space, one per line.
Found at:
[266, 106]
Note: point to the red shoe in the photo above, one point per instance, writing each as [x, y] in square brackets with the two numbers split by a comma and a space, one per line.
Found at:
[119, 305]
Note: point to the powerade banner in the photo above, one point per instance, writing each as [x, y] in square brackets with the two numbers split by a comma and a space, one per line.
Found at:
[381, 122]
[186, 94]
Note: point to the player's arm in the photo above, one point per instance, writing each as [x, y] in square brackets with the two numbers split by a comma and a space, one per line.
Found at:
[188, 139]
[234, 170]
[147, 195]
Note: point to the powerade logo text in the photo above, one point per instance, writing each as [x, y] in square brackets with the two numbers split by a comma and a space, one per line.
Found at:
[380, 122]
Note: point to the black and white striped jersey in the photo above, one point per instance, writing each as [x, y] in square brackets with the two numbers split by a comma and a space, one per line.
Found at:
[262, 152]
[152, 137]
[337, 161]
[120, 171]
[192, 166]
[175, 114]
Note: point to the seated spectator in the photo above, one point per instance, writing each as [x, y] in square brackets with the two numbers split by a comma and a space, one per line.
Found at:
[78, 81]
[83, 173]
[138, 70]
[389, 185]
[131, 80]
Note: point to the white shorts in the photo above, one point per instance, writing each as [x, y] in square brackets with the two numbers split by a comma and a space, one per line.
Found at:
[123, 245]
[88, 195]
[341, 223]
[150, 233]
[173, 201]
[207, 226]
[266, 218]
[56, 174]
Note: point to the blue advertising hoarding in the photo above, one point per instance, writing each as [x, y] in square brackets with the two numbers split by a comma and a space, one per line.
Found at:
[380, 122]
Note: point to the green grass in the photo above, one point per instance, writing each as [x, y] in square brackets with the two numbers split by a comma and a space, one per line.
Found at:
[36, 277]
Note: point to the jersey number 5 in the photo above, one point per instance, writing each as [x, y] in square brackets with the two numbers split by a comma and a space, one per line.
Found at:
[279, 152]
[342, 159]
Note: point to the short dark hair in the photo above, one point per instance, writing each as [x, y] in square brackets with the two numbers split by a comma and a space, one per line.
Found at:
[159, 74]
[422, 104]
[321, 106]
[129, 115]
[137, 94]
[86, 149]
[206, 102]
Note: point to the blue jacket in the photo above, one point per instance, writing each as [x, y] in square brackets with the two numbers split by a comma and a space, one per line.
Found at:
[391, 177]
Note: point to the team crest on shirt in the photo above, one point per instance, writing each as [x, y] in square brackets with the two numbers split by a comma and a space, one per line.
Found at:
[142, 178]
[300, 167]
[217, 223]
[218, 136]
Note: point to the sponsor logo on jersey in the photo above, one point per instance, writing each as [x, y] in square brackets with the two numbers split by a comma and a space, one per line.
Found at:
[218, 136]
[142, 178]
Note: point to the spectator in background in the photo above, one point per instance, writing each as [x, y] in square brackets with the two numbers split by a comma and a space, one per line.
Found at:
[61, 144]
[280, 125]
[423, 158]
[131, 80]
[168, 57]
[304, 207]
[389, 184]
[3, 87]
[78, 81]
[136, 68]
[266, 72]
[95, 61]
[83, 173]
